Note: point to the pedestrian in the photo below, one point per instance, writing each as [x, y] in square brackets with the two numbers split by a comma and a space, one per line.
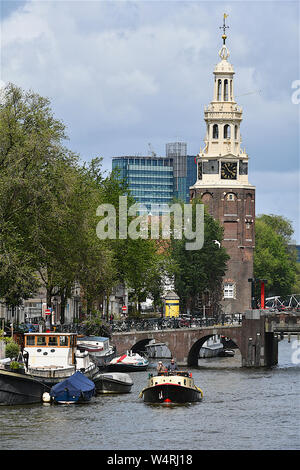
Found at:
[172, 366]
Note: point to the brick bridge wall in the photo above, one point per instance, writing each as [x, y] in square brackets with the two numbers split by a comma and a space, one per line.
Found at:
[184, 343]
[256, 341]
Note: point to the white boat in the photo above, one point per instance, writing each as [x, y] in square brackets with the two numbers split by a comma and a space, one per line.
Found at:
[129, 362]
[52, 357]
[211, 348]
[158, 350]
[98, 347]
[113, 382]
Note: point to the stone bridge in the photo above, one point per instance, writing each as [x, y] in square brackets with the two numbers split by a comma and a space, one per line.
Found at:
[256, 338]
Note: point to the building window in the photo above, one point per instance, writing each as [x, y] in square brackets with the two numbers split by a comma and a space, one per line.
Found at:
[226, 131]
[215, 131]
[229, 290]
[235, 132]
[226, 90]
[219, 90]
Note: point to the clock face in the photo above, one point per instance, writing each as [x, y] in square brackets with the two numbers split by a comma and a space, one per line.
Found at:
[229, 170]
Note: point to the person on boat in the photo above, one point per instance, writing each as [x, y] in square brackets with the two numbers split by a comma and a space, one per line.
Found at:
[172, 366]
[160, 367]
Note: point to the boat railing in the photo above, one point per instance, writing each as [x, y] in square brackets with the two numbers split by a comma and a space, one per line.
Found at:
[182, 373]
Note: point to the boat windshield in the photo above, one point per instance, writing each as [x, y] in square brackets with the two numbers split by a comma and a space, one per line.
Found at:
[51, 340]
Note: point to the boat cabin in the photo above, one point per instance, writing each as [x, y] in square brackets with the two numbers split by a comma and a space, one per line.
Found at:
[98, 342]
[50, 349]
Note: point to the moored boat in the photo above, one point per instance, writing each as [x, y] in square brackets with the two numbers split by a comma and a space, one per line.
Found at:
[18, 388]
[158, 350]
[129, 362]
[75, 389]
[171, 387]
[113, 382]
[226, 352]
[48, 358]
[52, 357]
[99, 348]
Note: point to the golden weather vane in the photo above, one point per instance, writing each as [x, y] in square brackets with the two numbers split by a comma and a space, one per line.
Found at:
[224, 27]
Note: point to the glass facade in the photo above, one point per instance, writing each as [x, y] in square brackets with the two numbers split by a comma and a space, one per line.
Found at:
[159, 180]
[191, 174]
[150, 179]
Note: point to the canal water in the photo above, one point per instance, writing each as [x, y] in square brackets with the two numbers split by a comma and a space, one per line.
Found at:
[245, 409]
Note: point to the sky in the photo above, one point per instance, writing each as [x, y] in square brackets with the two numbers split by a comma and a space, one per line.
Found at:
[125, 74]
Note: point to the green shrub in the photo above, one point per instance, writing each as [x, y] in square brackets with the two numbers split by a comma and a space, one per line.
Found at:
[12, 350]
[15, 365]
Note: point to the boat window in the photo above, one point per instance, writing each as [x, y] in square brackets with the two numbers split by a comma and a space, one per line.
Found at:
[52, 341]
[73, 340]
[184, 381]
[41, 341]
[63, 341]
[30, 340]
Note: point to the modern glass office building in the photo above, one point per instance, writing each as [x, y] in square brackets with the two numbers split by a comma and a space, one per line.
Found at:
[191, 174]
[149, 179]
[159, 180]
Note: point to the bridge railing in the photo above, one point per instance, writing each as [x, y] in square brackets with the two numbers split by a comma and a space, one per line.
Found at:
[138, 324]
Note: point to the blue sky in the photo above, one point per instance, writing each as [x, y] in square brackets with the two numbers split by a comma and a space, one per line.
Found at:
[122, 74]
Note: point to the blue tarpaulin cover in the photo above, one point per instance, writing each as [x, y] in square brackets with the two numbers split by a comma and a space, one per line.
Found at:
[76, 384]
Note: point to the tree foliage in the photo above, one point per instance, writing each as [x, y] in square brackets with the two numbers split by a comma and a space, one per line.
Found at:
[274, 260]
[200, 271]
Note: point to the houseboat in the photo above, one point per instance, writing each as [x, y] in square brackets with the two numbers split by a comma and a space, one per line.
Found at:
[52, 357]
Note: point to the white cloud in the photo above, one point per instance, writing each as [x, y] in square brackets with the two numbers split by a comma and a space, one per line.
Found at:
[278, 193]
[122, 74]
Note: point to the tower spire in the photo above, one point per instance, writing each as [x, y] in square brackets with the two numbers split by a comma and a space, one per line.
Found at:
[224, 27]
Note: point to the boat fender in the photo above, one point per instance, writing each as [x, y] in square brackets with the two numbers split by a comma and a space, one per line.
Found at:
[191, 375]
[46, 397]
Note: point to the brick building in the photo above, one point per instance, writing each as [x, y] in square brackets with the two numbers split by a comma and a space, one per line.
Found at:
[222, 184]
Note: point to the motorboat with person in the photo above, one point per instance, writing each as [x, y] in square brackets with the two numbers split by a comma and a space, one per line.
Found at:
[171, 387]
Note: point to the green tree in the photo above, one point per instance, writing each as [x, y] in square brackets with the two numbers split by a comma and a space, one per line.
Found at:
[200, 271]
[38, 204]
[273, 258]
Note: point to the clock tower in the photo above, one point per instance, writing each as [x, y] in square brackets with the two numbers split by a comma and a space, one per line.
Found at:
[223, 186]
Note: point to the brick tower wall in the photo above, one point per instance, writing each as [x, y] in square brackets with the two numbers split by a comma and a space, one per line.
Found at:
[235, 209]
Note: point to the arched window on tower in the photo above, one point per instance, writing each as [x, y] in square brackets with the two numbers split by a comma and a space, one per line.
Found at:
[219, 90]
[231, 96]
[215, 131]
[226, 131]
[226, 90]
[235, 132]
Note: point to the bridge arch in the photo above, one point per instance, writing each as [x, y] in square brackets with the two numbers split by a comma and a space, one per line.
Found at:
[140, 345]
[193, 354]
